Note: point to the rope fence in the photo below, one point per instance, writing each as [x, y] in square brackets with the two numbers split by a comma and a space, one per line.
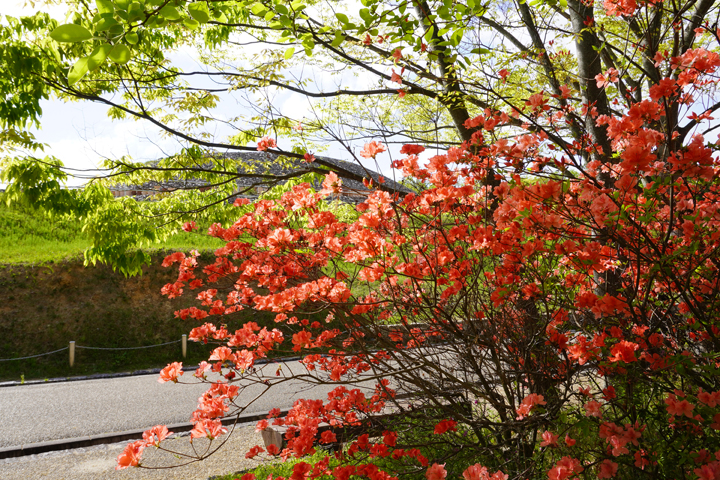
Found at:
[33, 356]
[127, 348]
[71, 348]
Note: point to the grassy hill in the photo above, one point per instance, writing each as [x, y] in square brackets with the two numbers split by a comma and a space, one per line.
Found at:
[47, 298]
[30, 237]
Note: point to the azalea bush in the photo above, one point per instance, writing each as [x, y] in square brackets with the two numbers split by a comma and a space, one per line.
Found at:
[539, 310]
[544, 303]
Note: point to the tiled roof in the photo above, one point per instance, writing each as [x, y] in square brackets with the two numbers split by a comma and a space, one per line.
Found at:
[265, 163]
[350, 172]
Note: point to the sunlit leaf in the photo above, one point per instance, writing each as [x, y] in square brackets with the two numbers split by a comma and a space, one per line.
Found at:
[135, 12]
[120, 54]
[78, 71]
[339, 38]
[106, 24]
[191, 24]
[105, 6]
[219, 16]
[258, 9]
[170, 13]
[131, 38]
[98, 56]
[70, 33]
[199, 12]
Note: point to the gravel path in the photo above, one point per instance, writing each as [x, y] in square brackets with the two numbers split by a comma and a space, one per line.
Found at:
[98, 463]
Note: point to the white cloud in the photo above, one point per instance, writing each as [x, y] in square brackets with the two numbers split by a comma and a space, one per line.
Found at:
[82, 136]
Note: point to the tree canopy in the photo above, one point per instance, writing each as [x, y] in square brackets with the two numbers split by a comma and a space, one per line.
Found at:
[398, 72]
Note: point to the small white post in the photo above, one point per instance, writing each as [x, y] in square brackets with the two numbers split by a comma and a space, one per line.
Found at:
[184, 345]
[72, 352]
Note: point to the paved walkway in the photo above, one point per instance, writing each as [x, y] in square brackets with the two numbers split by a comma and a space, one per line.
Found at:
[38, 413]
[44, 412]
[56, 411]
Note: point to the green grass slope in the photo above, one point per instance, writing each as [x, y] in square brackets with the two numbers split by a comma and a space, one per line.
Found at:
[28, 236]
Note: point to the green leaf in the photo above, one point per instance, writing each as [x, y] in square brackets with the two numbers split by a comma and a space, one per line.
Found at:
[170, 12]
[106, 24]
[429, 33]
[281, 9]
[131, 38]
[120, 54]
[78, 71]
[563, 4]
[365, 15]
[339, 38]
[116, 30]
[123, 4]
[98, 56]
[269, 16]
[105, 6]
[219, 16]
[457, 36]
[444, 13]
[289, 53]
[191, 23]
[135, 12]
[258, 9]
[70, 33]
[199, 12]
[342, 17]
[601, 47]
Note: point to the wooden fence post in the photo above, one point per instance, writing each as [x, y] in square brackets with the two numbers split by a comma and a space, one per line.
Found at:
[72, 352]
